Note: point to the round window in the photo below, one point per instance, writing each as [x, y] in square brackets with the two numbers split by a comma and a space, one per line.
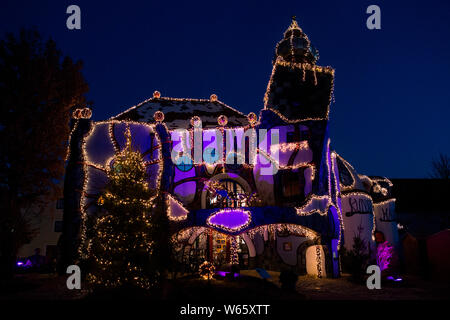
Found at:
[184, 163]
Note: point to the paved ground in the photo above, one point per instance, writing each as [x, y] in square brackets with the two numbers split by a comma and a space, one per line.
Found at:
[51, 287]
[39, 287]
[343, 289]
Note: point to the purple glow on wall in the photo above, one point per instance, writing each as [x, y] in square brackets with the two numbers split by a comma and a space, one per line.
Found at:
[384, 255]
[23, 265]
[186, 191]
[181, 175]
[230, 219]
[224, 273]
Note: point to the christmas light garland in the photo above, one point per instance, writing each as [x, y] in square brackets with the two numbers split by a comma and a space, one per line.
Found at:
[84, 247]
[319, 262]
[75, 126]
[228, 211]
[156, 99]
[169, 200]
[207, 270]
[293, 229]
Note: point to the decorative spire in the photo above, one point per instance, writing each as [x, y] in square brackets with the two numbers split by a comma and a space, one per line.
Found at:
[294, 24]
[295, 46]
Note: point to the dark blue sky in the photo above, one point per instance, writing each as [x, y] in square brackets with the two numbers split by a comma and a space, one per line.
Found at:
[392, 86]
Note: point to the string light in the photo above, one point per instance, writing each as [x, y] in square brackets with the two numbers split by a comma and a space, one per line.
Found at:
[292, 146]
[314, 204]
[229, 213]
[337, 196]
[207, 270]
[75, 126]
[350, 169]
[234, 249]
[222, 120]
[293, 229]
[319, 262]
[320, 204]
[175, 205]
[158, 116]
[108, 242]
[83, 113]
[301, 66]
[252, 118]
[384, 202]
[84, 247]
[169, 99]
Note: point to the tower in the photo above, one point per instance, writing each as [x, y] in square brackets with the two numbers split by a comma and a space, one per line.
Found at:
[298, 89]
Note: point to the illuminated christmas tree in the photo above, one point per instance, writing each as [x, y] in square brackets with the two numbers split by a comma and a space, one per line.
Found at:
[121, 246]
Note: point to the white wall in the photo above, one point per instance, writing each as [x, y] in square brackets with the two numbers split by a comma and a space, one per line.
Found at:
[45, 224]
[289, 257]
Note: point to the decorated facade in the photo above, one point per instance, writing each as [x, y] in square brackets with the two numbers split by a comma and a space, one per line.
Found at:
[232, 194]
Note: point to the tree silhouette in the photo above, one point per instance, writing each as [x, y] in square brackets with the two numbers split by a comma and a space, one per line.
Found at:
[440, 167]
[38, 88]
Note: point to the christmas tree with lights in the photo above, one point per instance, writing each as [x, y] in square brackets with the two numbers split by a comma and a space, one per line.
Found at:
[121, 246]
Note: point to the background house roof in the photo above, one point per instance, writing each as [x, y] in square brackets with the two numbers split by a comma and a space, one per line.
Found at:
[422, 205]
[421, 195]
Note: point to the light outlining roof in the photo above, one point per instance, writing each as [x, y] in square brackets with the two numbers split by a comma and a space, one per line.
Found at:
[178, 112]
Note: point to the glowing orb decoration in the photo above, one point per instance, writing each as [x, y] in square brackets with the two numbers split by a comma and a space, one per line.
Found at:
[230, 219]
[196, 121]
[252, 118]
[76, 114]
[158, 116]
[156, 94]
[213, 97]
[222, 120]
[84, 113]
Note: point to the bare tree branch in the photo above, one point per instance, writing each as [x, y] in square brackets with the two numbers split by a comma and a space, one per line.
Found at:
[440, 167]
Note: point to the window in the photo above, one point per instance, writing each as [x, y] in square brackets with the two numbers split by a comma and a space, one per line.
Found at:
[379, 237]
[233, 196]
[304, 133]
[290, 137]
[60, 204]
[291, 184]
[58, 226]
[287, 246]
[184, 163]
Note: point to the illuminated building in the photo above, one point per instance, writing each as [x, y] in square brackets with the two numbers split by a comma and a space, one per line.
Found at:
[235, 212]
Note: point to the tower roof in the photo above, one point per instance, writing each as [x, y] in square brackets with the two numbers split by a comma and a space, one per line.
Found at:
[295, 46]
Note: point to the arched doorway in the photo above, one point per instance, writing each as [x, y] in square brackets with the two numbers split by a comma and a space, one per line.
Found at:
[199, 244]
[233, 184]
[231, 195]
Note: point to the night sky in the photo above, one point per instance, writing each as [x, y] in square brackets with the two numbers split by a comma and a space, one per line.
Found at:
[392, 90]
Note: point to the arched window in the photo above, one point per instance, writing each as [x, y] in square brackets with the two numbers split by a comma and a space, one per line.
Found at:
[232, 196]
[184, 163]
